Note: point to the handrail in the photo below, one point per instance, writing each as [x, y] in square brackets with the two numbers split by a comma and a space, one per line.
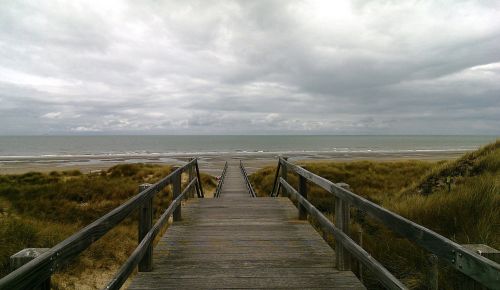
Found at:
[134, 259]
[378, 269]
[40, 269]
[477, 267]
[276, 183]
[221, 181]
[247, 181]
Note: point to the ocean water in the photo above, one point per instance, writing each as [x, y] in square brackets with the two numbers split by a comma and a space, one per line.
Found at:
[12, 147]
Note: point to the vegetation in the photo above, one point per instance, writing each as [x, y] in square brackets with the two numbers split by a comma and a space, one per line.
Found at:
[372, 180]
[458, 199]
[40, 210]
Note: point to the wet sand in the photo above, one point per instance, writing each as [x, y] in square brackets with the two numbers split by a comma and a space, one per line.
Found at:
[209, 163]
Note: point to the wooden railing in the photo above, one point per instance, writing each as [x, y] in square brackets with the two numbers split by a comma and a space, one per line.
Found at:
[479, 268]
[37, 271]
[247, 182]
[221, 181]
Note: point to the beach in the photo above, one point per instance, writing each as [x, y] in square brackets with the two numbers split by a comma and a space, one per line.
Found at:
[210, 163]
[20, 154]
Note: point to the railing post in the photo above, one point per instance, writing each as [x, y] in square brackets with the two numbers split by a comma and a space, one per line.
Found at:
[485, 251]
[284, 174]
[199, 187]
[176, 186]
[24, 256]
[145, 224]
[360, 265]
[303, 192]
[191, 177]
[276, 181]
[342, 218]
[433, 272]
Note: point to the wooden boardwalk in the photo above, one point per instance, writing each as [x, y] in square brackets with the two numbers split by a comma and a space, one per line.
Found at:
[234, 184]
[237, 241]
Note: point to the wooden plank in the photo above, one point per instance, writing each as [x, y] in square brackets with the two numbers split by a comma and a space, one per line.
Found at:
[303, 192]
[255, 272]
[237, 242]
[485, 251]
[164, 266]
[199, 188]
[176, 189]
[145, 224]
[274, 191]
[342, 217]
[191, 177]
[159, 282]
[24, 256]
[284, 175]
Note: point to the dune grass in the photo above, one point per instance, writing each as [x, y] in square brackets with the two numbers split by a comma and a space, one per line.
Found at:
[466, 213]
[40, 210]
[372, 180]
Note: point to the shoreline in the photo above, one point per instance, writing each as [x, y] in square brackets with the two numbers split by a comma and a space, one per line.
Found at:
[211, 163]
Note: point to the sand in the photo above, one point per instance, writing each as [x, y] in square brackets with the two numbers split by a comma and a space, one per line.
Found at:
[209, 163]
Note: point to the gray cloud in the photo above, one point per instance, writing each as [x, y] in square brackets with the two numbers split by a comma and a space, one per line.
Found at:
[71, 67]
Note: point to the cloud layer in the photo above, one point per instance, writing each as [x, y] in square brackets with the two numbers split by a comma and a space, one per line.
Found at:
[334, 67]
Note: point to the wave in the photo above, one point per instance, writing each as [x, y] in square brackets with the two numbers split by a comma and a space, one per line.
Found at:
[143, 154]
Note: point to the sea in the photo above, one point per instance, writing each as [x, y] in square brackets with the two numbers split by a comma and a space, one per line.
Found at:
[21, 147]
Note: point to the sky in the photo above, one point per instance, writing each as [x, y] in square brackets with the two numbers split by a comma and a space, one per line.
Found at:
[249, 67]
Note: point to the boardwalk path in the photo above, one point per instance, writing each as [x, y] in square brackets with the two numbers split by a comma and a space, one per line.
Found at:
[237, 241]
[234, 184]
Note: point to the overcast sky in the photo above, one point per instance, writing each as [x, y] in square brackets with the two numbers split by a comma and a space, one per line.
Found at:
[327, 67]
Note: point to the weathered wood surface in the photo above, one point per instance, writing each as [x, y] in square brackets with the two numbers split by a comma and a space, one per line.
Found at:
[237, 241]
[234, 183]
[145, 224]
[22, 257]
